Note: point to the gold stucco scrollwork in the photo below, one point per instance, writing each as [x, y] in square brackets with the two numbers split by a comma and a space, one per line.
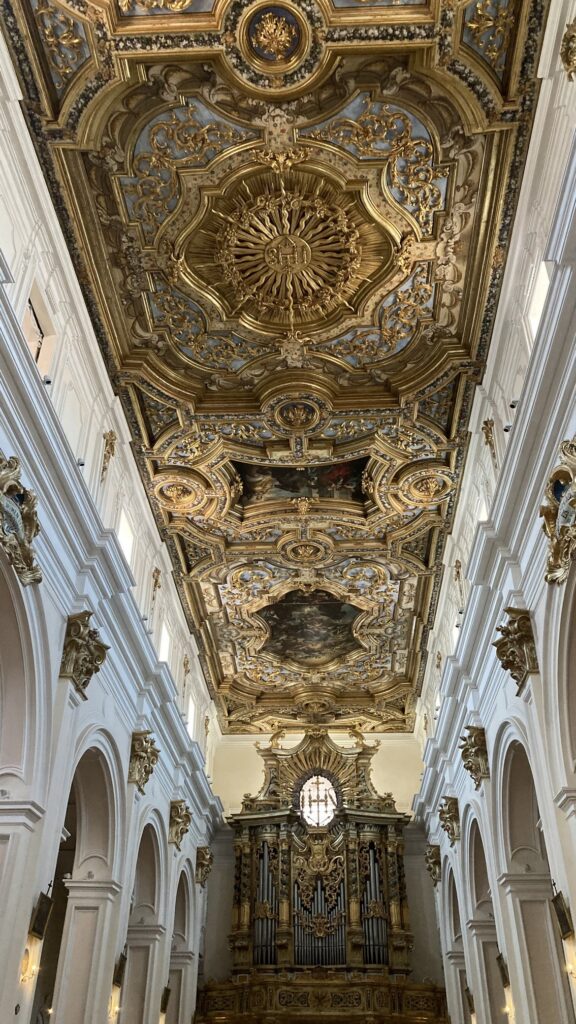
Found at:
[18, 521]
[179, 822]
[83, 653]
[144, 756]
[559, 515]
[64, 44]
[449, 815]
[516, 649]
[491, 25]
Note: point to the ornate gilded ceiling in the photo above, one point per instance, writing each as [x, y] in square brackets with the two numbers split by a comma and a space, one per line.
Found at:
[290, 222]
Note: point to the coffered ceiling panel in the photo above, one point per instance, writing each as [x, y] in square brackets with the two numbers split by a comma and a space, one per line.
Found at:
[290, 222]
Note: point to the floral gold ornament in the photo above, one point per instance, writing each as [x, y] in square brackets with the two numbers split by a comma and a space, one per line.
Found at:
[488, 432]
[179, 823]
[433, 862]
[568, 50]
[144, 756]
[64, 41]
[83, 653]
[475, 754]
[489, 25]
[449, 816]
[19, 523]
[559, 515]
[273, 36]
[204, 861]
[516, 649]
[109, 452]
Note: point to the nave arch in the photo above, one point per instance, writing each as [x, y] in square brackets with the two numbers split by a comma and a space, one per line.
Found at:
[76, 962]
[25, 687]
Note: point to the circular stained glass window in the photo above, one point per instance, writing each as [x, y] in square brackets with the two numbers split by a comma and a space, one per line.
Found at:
[318, 801]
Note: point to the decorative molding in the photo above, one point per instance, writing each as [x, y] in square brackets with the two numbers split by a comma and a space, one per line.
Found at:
[144, 756]
[475, 754]
[204, 861]
[568, 50]
[180, 821]
[516, 649]
[83, 653]
[110, 440]
[433, 863]
[18, 521]
[488, 431]
[559, 514]
[449, 815]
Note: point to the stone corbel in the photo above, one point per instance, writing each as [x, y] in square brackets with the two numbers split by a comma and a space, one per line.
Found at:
[516, 649]
[449, 816]
[180, 821]
[475, 754]
[83, 653]
[144, 756]
[18, 521]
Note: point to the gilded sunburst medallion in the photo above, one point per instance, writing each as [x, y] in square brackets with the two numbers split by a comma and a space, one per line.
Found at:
[288, 250]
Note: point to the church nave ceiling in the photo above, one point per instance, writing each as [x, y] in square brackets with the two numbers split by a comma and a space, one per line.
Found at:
[290, 222]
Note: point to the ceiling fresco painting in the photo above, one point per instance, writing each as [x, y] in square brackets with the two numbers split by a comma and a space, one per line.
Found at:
[290, 222]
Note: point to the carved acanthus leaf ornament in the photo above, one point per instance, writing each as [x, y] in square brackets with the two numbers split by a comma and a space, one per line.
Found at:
[449, 815]
[433, 862]
[516, 649]
[559, 515]
[144, 756]
[18, 521]
[83, 653]
[475, 754]
[180, 821]
[204, 861]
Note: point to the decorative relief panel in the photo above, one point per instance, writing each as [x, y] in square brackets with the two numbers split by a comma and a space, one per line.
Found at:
[289, 231]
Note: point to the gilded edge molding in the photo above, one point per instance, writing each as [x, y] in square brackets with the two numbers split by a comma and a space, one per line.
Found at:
[18, 521]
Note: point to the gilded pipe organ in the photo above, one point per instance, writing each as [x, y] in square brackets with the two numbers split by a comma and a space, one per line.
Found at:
[320, 900]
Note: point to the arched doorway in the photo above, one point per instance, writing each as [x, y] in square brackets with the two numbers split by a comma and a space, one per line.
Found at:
[141, 993]
[527, 889]
[77, 957]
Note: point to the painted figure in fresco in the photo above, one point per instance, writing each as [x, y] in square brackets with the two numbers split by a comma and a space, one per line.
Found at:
[310, 629]
[342, 480]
